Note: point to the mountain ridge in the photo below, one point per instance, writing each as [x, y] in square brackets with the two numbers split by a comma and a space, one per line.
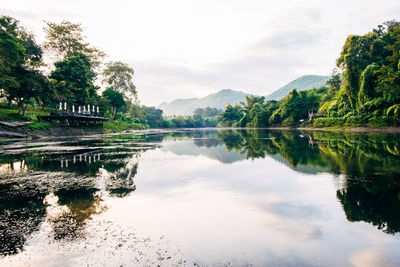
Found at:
[186, 106]
[215, 100]
[304, 82]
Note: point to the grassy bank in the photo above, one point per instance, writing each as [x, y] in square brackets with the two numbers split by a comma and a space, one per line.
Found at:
[10, 114]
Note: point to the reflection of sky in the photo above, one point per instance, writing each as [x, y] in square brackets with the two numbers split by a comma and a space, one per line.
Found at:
[256, 211]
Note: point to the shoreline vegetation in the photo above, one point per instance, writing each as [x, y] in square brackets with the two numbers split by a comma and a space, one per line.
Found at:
[362, 94]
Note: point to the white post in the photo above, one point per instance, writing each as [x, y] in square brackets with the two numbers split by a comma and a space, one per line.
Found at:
[62, 164]
[93, 109]
[73, 109]
[60, 106]
[97, 109]
[79, 109]
[66, 164]
[84, 108]
[65, 106]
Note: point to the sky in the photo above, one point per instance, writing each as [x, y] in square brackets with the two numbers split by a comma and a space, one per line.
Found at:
[186, 48]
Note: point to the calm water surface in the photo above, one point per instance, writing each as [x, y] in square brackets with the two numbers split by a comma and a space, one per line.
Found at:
[202, 197]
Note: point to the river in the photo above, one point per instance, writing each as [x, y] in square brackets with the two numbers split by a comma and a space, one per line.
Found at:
[202, 197]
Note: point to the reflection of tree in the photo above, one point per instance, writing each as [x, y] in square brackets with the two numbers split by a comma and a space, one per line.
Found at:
[120, 181]
[82, 204]
[376, 201]
[370, 163]
[21, 212]
[207, 142]
[30, 177]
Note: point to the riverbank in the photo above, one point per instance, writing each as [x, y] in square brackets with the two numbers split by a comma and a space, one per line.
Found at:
[27, 126]
[36, 129]
[118, 127]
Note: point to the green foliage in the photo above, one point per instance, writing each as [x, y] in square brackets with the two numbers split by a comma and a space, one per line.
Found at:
[118, 76]
[21, 56]
[114, 99]
[119, 126]
[73, 80]
[371, 73]
[368, 93]
[231, 115]
[12, 51]
[66, 39]
[305, 82]
[153, 117]
[207, 112]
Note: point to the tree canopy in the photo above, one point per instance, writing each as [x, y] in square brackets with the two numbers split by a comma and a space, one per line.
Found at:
[66, 39]
[118, 76]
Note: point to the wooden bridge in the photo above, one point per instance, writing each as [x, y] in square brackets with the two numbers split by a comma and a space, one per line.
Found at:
[74, 118]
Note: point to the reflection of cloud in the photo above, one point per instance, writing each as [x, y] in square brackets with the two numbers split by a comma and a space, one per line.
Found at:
[204, 218]
[292, 210]
[369, 257]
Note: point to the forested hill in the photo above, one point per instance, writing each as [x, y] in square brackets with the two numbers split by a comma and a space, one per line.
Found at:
[217, 100]
[366, 93]
[303, 83]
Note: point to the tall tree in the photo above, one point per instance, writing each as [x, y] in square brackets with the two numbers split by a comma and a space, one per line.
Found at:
[73, 80]
[12, 54]
[118, 76]
[115, 99]
[66, 39]
[21, 57]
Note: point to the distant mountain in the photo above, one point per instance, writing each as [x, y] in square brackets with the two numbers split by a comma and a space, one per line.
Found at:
[229, 96]
[216, 100]
[303, 83]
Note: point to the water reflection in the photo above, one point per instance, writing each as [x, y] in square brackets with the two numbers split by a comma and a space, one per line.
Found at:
[67, 183]
[370, 163]
[63, 183]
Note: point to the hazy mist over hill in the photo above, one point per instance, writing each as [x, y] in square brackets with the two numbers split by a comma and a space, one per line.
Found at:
[229, 96]
[302, 83]
[216, 100]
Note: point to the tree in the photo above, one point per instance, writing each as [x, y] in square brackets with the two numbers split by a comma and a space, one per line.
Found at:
[207, 112]
[66, 39]
[73, 80]
[12, 52]
[230, 115]
[118, 76]
[334, 81]
[153, 116]
[21, 56]
[115, 99]
[251, 101]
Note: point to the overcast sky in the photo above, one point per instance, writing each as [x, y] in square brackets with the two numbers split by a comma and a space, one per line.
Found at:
[184, 48]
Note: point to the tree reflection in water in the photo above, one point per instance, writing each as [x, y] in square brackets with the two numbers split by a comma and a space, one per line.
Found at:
[60, 186]
[370, 163]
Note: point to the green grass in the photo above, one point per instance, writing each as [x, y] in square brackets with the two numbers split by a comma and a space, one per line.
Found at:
[11, 115]
[122, 126]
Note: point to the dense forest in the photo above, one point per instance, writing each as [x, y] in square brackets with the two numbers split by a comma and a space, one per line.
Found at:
[364, 90]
